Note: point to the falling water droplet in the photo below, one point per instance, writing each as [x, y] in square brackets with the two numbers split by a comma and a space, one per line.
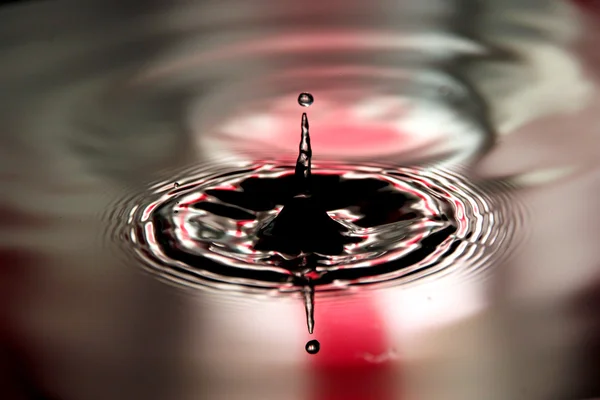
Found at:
[305, 99]
[309, 305]
[313, 347]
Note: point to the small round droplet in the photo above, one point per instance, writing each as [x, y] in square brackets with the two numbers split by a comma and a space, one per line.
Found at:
[305, 99]
[176, 184]
[313, 347]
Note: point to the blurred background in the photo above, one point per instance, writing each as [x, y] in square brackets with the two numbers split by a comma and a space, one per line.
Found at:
[100, 100]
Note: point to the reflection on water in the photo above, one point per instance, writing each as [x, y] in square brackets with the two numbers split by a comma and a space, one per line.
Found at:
[390, 226]
[104, 106]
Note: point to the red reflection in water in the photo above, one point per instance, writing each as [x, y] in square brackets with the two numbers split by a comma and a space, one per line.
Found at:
[588, 4]
[18, 375]
[356, 129]
[342, 134]
[348, 334]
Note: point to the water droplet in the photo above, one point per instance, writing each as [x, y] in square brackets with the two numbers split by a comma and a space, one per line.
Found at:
[176, 184]
[305, 99]
[313, 347]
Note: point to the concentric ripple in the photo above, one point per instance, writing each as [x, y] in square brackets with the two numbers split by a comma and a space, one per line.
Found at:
[403, 225]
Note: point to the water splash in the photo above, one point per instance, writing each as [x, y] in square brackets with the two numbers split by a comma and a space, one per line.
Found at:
[292, 231]
[266, 226]
[402, 225]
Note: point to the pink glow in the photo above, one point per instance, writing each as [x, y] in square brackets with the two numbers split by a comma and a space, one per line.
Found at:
[348, 334]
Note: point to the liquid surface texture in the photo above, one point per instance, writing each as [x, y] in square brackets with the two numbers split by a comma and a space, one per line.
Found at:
[145, 147]
[396, 225]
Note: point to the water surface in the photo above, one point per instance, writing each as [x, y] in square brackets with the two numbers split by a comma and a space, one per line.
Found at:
[486, 107]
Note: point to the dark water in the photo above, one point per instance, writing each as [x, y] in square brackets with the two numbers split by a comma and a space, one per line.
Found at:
[146, 150]
[397, 225]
